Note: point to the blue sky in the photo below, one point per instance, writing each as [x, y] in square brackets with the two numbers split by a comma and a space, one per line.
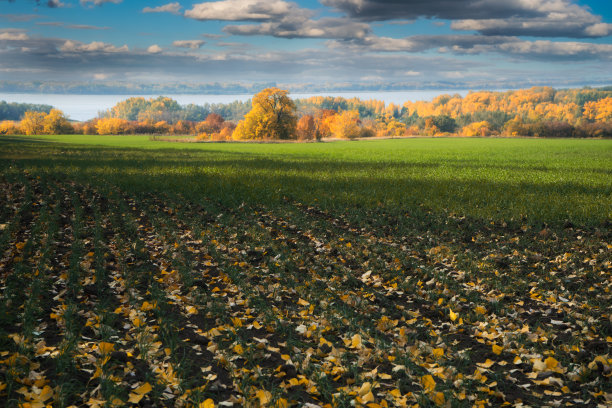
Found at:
[490, 43]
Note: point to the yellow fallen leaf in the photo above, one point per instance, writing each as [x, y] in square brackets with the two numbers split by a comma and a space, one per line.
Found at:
[105, 347]
[384, 376]
[497, 349]
[396, 393]
[480, 310]
[143, 389]
[135, 398]
[45, 394]
[438, 398]
[20, 245]
[486, 364]
[356, 342]
[238, 349]
[551, 363]
[438, 352]
[302, 302]
[369, 397]
[428, 383]
[366, 387]
[191, 310]
[453, 315]
[263, 396]
[145, 306]
[209, 403]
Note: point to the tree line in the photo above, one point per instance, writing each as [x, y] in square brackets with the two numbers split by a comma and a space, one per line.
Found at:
[272, 115]
[15, 111]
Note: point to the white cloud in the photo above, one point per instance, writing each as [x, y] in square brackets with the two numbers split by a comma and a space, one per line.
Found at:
[174, 8]
[13, 36]
[71, 46]
[244, 10]
[193, 44]
[154, 49]
[340, 28]
[56, 4]
[99, 2]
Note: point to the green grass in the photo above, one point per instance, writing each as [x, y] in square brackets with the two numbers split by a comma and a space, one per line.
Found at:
[551, 181]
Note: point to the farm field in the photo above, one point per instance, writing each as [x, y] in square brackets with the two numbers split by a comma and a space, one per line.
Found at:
[437, 272]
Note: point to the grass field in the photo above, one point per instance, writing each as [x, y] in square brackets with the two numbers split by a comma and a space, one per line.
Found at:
[438, 272]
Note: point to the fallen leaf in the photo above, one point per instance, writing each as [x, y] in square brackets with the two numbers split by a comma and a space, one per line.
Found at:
[428, 383]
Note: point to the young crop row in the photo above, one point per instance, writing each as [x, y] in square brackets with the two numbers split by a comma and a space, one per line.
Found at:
[117, 299]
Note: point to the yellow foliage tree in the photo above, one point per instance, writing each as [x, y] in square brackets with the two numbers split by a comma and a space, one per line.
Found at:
[345, 125]
[55, 123]
[272, 117]
[112, 126]
[477, 129]
[599, 111]
[33, 123]
[9, 127]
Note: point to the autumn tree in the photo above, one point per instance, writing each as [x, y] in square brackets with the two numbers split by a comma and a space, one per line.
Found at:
[306, 128]
[271, 117]
[9, 127]
[482, 128]
[212, 124]
[346, 125]
[112, 126]
[33, 123]
[55, 123]
[323, 120]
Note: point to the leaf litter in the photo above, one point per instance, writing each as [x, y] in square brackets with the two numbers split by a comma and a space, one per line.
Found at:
[110, 299]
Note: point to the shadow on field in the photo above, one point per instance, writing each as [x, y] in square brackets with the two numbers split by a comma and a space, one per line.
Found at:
[22, 140]
[455, 185]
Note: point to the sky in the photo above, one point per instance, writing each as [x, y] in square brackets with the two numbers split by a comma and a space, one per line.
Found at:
[499, 43]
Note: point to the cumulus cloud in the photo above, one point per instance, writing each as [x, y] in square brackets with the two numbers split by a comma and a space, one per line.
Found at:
[99, 2]
[56, 4]
[546, 18]
[193, 44]
[154, 49]
[562, 20]
[71, 46]
[245, 10]
[174, 8]
[298, 28]
[479, 44]
[13, 35]
[557, 50]
[380, 10]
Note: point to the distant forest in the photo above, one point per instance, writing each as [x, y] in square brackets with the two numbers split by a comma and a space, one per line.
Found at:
[232, 88]
[272, 114]
[15, 111]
